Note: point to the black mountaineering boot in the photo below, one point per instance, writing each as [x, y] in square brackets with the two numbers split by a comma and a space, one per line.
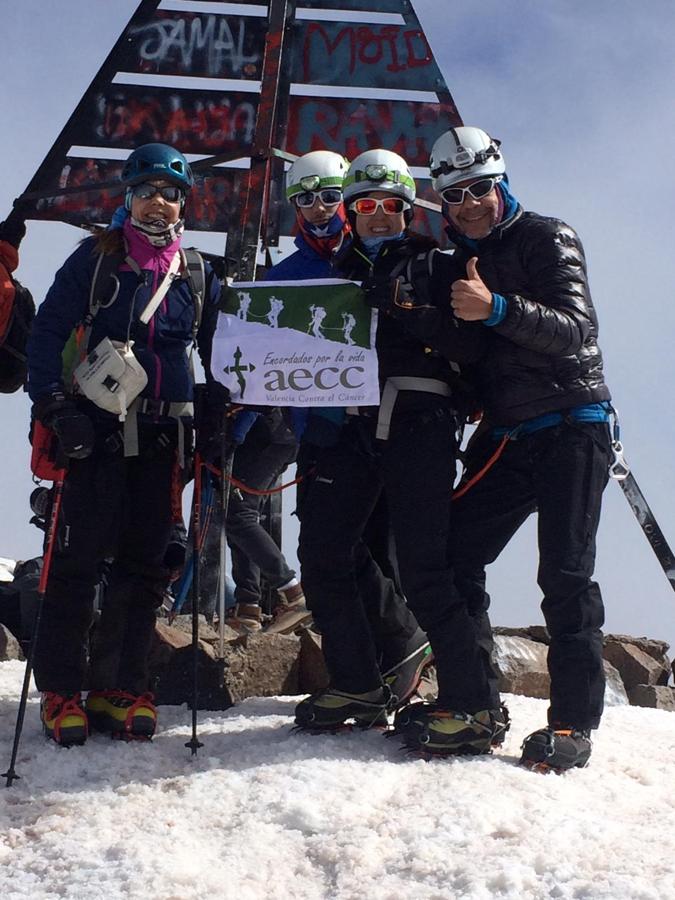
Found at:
[330, 710]
[444, 732]
[556, 749]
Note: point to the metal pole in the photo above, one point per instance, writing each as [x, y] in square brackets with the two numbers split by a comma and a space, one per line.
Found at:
[194, 744]
[10, 775]
[227, 461]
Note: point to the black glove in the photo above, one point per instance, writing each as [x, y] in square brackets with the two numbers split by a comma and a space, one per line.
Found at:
[407, 286]
[13, 229]
[211, 423]
[74, 429]
[379, 291]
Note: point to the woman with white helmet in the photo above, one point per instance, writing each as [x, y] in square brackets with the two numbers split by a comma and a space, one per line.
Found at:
[404, 449]
[524, 284]
[314, 187]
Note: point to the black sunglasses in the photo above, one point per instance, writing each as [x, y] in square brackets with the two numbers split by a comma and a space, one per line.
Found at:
[169, 192]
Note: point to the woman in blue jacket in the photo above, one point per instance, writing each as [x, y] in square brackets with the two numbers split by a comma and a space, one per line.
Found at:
[124, 452]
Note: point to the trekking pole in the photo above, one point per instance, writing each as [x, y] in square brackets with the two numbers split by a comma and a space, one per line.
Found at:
[620, 471]
[194, 744]
[227, 449]
[10, 775]
[184, 583]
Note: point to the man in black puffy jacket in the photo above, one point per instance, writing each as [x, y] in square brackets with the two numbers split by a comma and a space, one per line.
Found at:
[546, 408]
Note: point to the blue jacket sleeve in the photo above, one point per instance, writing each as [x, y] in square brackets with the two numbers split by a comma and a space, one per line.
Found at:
[207, 328]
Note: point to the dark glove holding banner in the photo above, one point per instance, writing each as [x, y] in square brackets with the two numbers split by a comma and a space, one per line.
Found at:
[13, 229]
[74, 429]
[379, 291]
[407, 286]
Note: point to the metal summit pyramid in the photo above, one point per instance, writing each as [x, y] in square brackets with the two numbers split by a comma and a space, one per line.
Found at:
[239, 88]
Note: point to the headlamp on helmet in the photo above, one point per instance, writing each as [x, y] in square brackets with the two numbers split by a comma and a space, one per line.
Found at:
[464, 152]
[377, 172]
[310, 182]
[315, 171]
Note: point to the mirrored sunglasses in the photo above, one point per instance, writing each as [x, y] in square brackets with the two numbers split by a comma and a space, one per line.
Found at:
[170, 192]
[328, 197]
[368, 206]
[479, 189]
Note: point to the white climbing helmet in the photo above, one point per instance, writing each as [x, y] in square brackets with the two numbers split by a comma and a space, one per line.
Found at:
[315, 171]
[379, 170]
[464, 152]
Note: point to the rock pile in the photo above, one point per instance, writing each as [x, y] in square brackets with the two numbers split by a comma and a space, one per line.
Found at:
[638, 669]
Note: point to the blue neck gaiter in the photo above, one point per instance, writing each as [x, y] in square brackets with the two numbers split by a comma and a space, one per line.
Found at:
[372, 245]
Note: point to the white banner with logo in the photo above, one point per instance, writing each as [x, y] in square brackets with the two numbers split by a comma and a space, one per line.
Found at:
[297, 343]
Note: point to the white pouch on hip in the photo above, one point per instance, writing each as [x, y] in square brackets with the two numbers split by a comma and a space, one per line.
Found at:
[111, 376]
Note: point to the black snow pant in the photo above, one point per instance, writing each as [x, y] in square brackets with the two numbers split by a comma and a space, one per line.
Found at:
[115, 508]
[561, 472]
[391, 621]
[415, 469]
[389, 617]
[258, 462]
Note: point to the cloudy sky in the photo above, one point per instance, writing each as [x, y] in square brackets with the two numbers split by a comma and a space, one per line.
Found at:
[581, 96]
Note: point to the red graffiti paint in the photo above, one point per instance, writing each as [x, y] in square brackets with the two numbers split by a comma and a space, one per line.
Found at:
[350, 126]
[367, 55]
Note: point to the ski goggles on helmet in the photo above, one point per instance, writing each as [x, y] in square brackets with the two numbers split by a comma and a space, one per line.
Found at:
[328, 197]
[170, 192]
[368, 206]
[454, 196]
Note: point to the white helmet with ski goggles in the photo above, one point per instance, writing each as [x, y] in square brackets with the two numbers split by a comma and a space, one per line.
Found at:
[326, 196]
[379, 170]
[319, 172]
[463, 153]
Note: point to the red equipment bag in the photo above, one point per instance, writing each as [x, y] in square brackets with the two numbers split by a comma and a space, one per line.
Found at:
[45, 461]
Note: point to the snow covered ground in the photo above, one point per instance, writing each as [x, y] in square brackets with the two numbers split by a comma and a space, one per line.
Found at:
[264, 813]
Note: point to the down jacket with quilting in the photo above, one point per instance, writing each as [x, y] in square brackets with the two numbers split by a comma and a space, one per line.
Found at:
[543, 356]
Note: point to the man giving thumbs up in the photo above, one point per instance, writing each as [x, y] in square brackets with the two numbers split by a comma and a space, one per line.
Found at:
[470, 298]
[542, 389]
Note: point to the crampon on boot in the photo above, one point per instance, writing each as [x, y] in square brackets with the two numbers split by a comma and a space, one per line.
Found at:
[122, 714]
[434, 731]
[63, 718]
[332, 710]
[556, 749]
[404, 676]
